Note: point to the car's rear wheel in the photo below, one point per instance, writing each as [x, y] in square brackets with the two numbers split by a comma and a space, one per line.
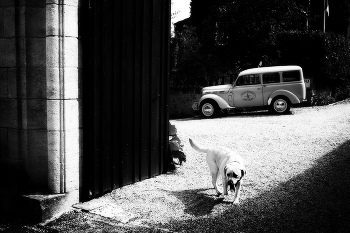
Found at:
[209, 108]
[280, 105]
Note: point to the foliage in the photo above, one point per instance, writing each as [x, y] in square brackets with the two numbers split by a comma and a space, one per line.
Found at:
[187, 63]
[231, 39]
[239, 34]
[323, 56]
[248, 34]
[323, 98]
[175, 153]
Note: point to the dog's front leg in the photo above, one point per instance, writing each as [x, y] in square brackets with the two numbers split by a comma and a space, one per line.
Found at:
[237, 193]
[224, 184]
[214, 178]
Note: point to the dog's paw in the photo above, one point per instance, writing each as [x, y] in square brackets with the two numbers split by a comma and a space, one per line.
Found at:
[236, 202]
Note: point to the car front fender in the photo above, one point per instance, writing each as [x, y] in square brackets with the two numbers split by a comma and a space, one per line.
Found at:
[292, 98]
[218, 99]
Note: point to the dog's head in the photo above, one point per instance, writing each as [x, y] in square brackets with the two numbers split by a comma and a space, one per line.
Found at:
[234, 174]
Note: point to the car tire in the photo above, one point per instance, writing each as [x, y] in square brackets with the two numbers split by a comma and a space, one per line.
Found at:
[280, 105]
[209, 108]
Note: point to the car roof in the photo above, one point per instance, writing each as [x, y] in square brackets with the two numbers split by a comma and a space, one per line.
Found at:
[269, 69]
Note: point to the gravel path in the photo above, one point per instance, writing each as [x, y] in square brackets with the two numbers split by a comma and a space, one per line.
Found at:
[298, 176]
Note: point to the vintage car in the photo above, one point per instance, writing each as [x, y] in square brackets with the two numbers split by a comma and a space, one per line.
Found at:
[275, 88]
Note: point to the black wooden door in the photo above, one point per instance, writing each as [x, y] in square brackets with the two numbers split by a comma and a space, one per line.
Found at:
[125, 92]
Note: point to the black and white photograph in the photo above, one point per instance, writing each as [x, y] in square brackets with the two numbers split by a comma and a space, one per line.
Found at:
[175, 116]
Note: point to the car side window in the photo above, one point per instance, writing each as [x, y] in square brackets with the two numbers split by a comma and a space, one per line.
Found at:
[271, 77]
[251, 79]
[291, 76]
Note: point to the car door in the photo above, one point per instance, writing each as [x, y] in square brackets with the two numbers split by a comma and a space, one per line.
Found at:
[271, 82]
[247, 91]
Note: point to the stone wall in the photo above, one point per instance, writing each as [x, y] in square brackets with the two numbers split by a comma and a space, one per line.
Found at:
[180, 105]
[39, 97]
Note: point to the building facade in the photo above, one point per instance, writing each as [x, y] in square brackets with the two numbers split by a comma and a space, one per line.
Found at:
[42, 75]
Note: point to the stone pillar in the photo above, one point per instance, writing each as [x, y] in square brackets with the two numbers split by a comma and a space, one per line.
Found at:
[39, 100]
[62, 71]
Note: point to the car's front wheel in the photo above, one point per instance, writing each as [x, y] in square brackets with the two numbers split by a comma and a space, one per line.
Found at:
[209, 108]
[280, 105]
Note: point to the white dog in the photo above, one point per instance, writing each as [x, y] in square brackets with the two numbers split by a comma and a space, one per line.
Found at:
[226, 162]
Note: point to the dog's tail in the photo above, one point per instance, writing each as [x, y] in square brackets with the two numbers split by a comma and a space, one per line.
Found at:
[198, 148]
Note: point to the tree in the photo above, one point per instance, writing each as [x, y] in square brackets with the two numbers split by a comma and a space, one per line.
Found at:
[248, 34]
[187, 64]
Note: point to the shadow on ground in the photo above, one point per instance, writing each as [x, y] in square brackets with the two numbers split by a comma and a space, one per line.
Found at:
[252, 114]
[317, 200]
[198, 202]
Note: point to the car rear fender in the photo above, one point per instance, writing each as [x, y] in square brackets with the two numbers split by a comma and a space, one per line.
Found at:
[218, 99]
[292, 98]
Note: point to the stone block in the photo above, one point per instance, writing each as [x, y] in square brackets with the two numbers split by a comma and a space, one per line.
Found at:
[22, 108]
[12, 82]
[72, 155]
[53, 83]
[36, 114]
[36, 82]
[69, 3]
[22, 21]
[71, 114]
[52, 52]
[70, 21]
[35, 22]
[53, 115]
[8, 113]
[180, 105]
[1, 22]
[38, 158]
[8, 52]
[71, 51]
[3, 83]
[40, 208]
[9, 22]
[71, 83]
[54, 161]
[36, 52]
[3, 143]
[14, 144]
[80, 113]
[7, 2]
[52, 20]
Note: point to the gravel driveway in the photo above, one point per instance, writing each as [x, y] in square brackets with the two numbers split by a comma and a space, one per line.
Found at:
[298, 176]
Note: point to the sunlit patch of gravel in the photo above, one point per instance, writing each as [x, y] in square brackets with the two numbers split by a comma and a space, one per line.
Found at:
[298, 175]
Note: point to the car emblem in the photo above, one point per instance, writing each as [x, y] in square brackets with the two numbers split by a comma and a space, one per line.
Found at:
[248, 95]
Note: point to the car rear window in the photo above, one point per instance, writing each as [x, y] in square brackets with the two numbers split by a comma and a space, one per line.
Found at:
[291, 76]
[271, 78]
[250, 79]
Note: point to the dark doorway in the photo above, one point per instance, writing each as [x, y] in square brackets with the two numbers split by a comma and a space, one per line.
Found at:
[125, 92]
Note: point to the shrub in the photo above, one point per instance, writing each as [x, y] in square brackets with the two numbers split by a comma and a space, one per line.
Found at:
[324, 98]
[323, 56]
[342, 92]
